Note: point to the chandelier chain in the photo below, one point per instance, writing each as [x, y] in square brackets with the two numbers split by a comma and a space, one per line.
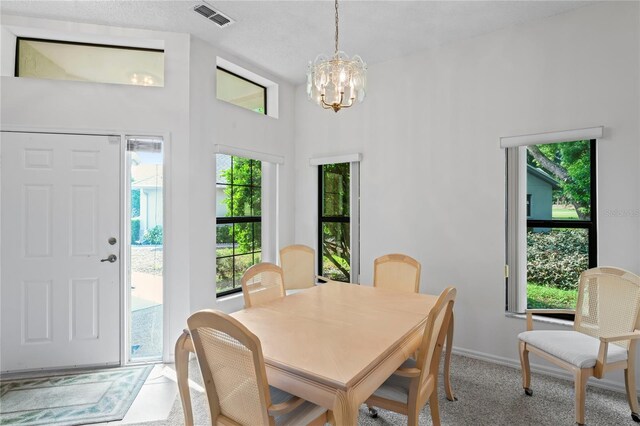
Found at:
[336, 27]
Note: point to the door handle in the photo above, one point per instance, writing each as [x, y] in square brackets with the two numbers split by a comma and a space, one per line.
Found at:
[111, 258]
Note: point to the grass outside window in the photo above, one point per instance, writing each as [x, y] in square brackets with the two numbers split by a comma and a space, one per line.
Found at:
[544, 297]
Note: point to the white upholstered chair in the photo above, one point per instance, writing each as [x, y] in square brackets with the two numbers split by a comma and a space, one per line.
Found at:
[298, 263]
[232, 365]
[262, 283]
[604, 335]
[397, 272]
[416, 381]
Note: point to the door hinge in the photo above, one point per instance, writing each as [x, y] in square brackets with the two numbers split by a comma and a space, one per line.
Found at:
[506, 271]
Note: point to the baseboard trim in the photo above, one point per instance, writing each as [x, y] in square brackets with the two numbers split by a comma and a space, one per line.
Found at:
[541, 369]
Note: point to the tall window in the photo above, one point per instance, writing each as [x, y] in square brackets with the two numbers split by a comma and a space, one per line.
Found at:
[239, 217]
[561, 229]
[560, 240]
[334, 234]
[145, 246]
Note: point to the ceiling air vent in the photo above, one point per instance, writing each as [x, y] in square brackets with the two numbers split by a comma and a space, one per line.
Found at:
[220, 19]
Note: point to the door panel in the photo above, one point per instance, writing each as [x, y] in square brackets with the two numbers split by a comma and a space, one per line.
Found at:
[60, 205]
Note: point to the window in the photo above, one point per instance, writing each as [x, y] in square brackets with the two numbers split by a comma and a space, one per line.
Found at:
[240, 91]
[560, 239]
[239, 220]
[64, 60]
[334, 231]
[145, 246]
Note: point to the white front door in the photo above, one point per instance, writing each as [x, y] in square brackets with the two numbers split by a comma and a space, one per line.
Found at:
[60, 207]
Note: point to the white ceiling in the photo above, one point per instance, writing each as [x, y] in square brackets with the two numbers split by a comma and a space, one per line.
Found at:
[282, 36]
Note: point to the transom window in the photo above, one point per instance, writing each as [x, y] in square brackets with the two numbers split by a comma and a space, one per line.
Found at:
[240, 91]
[239, 220]
[64, 60]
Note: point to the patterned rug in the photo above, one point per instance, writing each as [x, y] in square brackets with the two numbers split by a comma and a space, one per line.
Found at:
[72, 399]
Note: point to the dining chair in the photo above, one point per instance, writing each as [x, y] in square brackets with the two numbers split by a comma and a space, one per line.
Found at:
[402, 273]
[298, 263]
[262, 283]
[416, 381]
[235, 379]
[605, 331]
[397, 272]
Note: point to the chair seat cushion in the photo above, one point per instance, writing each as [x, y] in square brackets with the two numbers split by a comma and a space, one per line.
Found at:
[302, 415]
[573, 347]
[396, 388]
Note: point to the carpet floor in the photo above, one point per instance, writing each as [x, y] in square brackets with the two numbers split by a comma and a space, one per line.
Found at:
[488, 394]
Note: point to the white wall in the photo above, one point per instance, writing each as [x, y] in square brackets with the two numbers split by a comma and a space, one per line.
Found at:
[187, 112]
[217, 122]
[432, 172]
[70, 105]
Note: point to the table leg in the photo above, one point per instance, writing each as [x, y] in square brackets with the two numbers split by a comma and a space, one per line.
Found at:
[183, 347]
[345, 409]
[447, 362]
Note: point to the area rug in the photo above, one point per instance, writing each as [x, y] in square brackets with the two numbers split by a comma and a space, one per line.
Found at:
[72, 399]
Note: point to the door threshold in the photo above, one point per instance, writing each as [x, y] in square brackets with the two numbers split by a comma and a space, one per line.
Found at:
[34, 374]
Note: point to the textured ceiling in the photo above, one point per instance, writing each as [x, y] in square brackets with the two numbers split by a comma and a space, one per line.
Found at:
[282, 36]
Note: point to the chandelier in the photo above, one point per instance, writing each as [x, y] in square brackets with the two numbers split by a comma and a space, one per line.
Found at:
[336, 82]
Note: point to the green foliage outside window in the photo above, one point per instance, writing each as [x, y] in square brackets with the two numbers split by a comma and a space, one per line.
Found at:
[570, 164]
[153, 236]
[238, 242]
[243, 198]
[556, 258]
[336, 250]
[135, 230]
[135, 202]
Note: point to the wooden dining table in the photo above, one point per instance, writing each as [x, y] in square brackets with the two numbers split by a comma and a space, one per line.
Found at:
[332, 344]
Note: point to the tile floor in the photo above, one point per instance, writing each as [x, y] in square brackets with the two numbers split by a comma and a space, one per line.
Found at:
[155, 399]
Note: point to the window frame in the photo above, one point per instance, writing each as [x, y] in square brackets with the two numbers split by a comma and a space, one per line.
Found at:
[264, 89]
[16, 71]
[590, 225]
[331, 219]
[233, 220]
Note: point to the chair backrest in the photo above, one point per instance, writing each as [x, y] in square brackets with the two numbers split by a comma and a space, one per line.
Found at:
[435, 332]
[298, 263]
[232, 366]
[397, 272]
[262, 283]
[608, 303]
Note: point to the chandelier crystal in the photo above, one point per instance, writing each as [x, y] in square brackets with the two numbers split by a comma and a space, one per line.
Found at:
[336, 82]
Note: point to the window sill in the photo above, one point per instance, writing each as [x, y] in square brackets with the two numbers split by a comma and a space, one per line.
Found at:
[541, 319]
[229, 297]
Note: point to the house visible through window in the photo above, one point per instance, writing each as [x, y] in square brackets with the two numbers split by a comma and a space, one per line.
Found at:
[64, 60]
[334, 233]
[560, 230]
[240, 91]
[239, 217]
